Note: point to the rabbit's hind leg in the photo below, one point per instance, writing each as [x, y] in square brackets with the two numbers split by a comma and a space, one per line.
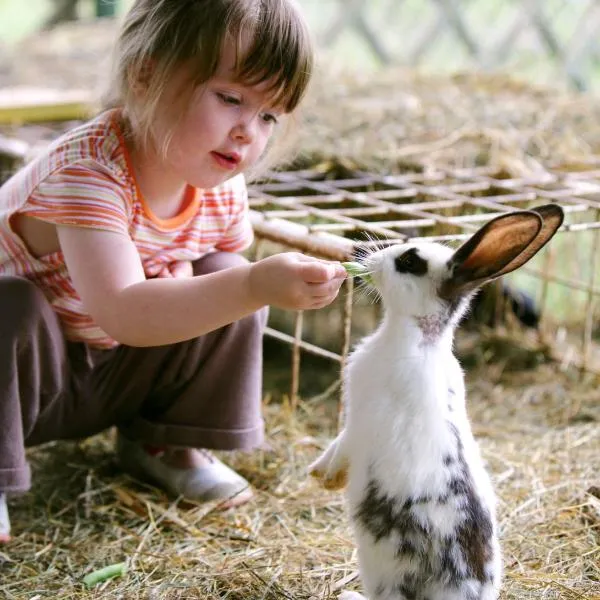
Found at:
[351, 596]
[468, 590]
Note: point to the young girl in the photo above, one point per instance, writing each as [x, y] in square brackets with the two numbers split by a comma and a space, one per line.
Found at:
[124, 300]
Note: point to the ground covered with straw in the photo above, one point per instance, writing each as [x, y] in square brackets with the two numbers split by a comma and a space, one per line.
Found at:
[538, 430]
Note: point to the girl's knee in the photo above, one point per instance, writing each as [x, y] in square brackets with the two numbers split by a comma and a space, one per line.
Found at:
[22, 304]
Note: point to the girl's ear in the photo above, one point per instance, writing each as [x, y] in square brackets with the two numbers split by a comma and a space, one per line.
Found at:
[499, 247]
[139, 79]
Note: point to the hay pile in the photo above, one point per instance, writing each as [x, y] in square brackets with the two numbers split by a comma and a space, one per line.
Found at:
[539, 433]
[387, 120]
[379, 119]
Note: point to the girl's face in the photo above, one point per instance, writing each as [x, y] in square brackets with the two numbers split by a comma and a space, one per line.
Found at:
[225, 129]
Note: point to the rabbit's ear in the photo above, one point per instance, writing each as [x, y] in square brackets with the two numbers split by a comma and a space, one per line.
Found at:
[499, 247]
[553, 217]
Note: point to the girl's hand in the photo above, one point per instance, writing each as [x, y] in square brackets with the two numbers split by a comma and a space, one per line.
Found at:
[293, 281]
[180, 268]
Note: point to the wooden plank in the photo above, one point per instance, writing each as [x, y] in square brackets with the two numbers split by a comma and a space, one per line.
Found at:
[30, 104]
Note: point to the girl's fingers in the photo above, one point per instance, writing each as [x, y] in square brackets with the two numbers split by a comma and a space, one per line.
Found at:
[321, 272]
[325, 289]
[177, 269]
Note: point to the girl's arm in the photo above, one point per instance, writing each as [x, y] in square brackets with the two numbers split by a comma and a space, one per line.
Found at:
[107, 273]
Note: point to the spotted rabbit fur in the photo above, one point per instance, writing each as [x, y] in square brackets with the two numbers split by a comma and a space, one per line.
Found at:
[420, 501]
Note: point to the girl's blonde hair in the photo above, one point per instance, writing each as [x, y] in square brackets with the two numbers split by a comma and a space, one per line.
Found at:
[157, 36]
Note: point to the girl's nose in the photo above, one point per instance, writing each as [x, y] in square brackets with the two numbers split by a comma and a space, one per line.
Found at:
[245, 130]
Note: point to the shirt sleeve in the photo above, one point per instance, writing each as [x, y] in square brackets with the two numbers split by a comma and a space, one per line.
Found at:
[81, 194]
[239, 234]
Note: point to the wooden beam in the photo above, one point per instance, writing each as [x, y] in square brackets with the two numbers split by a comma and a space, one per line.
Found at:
[30, 105]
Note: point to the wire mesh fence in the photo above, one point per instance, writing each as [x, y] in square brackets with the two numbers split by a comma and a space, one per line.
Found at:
[334, 214]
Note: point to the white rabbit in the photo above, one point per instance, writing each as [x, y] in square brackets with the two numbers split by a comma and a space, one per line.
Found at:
[420, 502]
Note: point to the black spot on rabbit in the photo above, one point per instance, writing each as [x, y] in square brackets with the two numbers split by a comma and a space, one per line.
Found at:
[474, 534]
[382, 515]
[410, 262]
[409, 593]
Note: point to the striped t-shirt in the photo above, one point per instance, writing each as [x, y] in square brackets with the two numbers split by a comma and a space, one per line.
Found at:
[85, 179]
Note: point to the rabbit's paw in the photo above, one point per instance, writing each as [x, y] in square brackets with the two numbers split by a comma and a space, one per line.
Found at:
[318, 468]
[337, 480]
[330, 480]
[331, 475]
[331, 468]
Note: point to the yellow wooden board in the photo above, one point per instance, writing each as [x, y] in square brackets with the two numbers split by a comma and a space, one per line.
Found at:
[30, 105]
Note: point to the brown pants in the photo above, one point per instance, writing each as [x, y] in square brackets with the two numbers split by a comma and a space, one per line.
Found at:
[203, 393]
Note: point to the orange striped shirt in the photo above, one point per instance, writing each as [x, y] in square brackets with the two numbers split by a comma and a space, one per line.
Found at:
[85, 179]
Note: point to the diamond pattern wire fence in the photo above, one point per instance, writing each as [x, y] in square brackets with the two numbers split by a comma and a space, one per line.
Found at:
[541, 40]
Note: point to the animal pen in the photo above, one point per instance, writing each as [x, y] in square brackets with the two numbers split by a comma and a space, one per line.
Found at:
[392, 156]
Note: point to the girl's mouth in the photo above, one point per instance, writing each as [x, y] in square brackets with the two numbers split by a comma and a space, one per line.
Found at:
[226, 161]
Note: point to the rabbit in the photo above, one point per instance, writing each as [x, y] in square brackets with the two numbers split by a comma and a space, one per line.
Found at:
[421, 504]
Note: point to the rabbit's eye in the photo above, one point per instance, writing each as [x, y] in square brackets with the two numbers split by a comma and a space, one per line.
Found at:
[411, 262]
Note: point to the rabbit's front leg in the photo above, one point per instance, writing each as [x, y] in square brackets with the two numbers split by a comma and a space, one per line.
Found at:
[332, 466]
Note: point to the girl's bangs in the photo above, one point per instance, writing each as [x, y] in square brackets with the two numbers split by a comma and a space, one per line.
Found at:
[280, 53]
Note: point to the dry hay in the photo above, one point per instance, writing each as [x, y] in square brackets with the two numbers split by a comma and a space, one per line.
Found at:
[539, 433]
[380, 119]
[386, 120]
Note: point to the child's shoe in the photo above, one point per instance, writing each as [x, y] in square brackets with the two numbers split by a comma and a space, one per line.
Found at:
[214, 481]
[4, 520]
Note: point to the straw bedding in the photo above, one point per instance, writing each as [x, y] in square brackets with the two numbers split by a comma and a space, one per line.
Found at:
[539, 433]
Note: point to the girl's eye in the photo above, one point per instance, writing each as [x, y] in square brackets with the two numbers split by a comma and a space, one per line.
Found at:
[230, 100]
[269, 118]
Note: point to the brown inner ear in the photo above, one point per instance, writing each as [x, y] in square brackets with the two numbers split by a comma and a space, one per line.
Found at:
[490, 250]
[553, 217]
[499, 245]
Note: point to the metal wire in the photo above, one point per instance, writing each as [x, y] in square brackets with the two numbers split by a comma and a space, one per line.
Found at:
[334, 213]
